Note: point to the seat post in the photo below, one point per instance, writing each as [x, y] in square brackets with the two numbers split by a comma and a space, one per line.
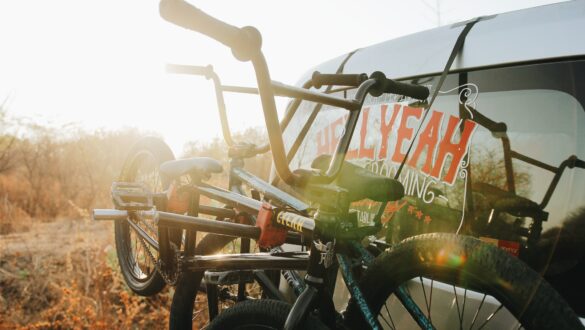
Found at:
[194, 196]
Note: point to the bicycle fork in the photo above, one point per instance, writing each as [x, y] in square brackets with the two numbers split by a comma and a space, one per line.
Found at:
[321, 259]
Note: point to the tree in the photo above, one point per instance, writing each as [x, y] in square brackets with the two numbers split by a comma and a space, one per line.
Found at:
[7, 141]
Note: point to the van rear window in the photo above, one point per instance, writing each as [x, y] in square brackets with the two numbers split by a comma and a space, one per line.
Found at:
[496, 138]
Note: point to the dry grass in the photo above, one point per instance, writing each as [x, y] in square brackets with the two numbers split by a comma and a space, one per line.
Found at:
[64, 275]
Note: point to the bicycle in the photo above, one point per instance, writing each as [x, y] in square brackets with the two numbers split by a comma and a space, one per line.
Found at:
[332, 230]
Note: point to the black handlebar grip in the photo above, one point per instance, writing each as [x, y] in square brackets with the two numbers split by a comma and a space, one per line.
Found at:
[573, 162]
[245, 42]
[319, 79]
[206, 71]
[386, 85]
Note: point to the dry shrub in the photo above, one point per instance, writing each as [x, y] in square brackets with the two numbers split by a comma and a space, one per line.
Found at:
[12, 218]
[82, 290]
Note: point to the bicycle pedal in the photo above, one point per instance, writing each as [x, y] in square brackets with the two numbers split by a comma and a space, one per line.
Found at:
[131, 196]
[229, 277]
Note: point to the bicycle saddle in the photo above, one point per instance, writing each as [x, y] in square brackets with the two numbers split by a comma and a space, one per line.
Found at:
[361, 183]
[197, 166]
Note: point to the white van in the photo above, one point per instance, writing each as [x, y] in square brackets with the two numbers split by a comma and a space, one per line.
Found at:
[513, 173]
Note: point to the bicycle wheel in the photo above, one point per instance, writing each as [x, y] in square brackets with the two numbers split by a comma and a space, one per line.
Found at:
[134, 258]
[459, 282]
[259, 314]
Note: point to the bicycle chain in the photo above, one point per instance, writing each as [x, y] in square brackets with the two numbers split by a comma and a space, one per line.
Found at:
[170, 279]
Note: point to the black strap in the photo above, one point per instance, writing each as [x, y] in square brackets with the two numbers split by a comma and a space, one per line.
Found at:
[456, 49]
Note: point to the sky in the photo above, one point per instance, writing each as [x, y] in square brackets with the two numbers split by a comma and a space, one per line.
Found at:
[100, 64]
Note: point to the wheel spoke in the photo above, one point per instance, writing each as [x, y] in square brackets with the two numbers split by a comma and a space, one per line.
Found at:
[431, 300]
[490, 317]
[389, 315]
[458, 310]
[135, 256]
[463, 307]
[425, 297]
[477, 312]
[386, 321]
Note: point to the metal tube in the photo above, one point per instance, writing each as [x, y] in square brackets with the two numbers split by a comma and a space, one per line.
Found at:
[247, 261]
[207, 225]
[269, 190]
[337, 160]
[225, 127]
[235, 200]
[217, 211]
[184, 221]
[291, 109]
[281, 89]
[271, 120]
[239, 89]
[200, 224]
[108, 214]
[143, 234]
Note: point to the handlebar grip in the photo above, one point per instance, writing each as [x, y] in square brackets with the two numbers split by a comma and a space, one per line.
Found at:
[319, 79]
[573, 162]
[206, 71]
[386, 85]
[244, 42]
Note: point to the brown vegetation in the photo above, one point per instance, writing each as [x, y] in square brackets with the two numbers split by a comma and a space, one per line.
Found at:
[58, 269]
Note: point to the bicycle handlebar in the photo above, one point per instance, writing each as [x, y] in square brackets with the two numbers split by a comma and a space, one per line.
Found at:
[319, 79]
[576, 162]
[244, 42]
[206, 71]
[387, 85]
[246, 45]
[384, 85]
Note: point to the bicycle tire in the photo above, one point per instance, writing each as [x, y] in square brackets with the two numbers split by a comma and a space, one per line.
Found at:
[145, 284]
[259, 314]
[463, 262]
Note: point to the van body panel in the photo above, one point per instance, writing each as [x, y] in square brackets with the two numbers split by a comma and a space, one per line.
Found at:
[524, 70]
[534, 34]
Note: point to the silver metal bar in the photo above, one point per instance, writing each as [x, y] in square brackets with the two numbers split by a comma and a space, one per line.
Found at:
[269, 190]
[236, 200]
[108, 214]
[247, 261]
[184, 221]
[143, 234]
[239, 89]
[281, 89]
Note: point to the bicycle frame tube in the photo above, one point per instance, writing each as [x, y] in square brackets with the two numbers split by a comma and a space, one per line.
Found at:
[267, 89]
[248, 261]
[238, 175]
[230, 198]
[356, 293]
[269, 190]
[406, 300]
[275, 134]
[209, 73]
[199, 224]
